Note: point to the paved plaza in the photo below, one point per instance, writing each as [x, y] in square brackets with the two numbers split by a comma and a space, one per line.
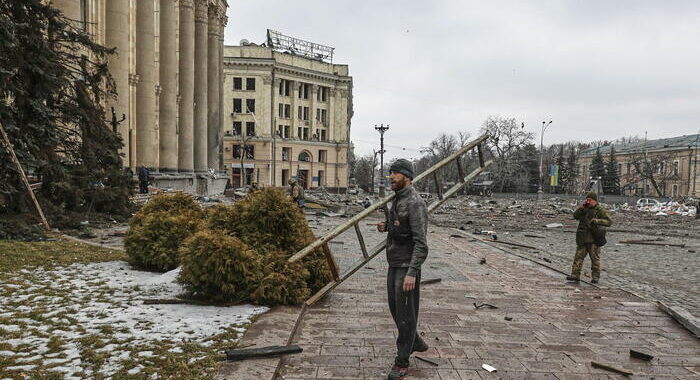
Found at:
[543, 328]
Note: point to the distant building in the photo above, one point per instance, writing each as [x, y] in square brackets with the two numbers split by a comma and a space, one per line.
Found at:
[673, 162]
[285, 115]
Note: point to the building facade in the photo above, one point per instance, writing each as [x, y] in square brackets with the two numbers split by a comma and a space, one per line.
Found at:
[168, 76]
[672, 162]
[285, 116]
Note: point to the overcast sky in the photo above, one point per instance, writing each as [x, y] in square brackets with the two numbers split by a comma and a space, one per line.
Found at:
[598, 69]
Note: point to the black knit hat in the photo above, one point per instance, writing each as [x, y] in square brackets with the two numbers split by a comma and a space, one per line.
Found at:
[402, 166]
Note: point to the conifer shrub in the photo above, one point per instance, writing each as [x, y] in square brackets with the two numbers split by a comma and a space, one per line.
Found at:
[159, 228]
[282, 283]
[269, 221]
[219, 267]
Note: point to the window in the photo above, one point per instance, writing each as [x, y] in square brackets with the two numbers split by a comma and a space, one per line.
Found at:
[322, 155]
[321, 178]
[250, 152]
[236, 128]
[283, 131]
[306, 113]
[285, 176]
[304, 156]
[323, 135]
[661, 167]
[322, 94]
[237, 83]
[318, 114]
[619, 168]
[284, 110]
[674, 191]
[286, 153]
[675, 167]
[250, 105]
[303, 90]
[299, 112]
[250, 128]
[237, 105]
[250, 84]
[299, 133]
[305, 133]
[237, 151]
[285, 87]
[629, 168]
[323, 116]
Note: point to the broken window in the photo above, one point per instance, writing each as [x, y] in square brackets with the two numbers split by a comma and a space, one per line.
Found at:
[250, 128]
[250, 84]
[286, 153]
[675, 167]
[250, 151]
[236, 128]
[237, 105]
[237, 151]
[250, 105]
[237, 83]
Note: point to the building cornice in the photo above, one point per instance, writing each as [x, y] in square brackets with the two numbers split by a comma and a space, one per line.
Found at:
[283, 68]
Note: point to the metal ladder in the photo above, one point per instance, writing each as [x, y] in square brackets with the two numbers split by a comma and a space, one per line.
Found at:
[368, 255]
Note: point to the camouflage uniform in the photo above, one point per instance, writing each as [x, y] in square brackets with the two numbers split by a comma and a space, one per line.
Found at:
[296, 192]
[406, 251]
[585, 243]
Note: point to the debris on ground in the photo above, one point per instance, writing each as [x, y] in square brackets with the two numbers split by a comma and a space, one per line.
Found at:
[488, 368]
[262, 352]
[611, 368]
[640, 355]
[434, 364]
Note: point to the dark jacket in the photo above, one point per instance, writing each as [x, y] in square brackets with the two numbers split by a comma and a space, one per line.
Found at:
[407, 226]
[588, 219]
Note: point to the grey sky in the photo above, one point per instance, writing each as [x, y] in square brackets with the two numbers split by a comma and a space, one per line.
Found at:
[598, 69]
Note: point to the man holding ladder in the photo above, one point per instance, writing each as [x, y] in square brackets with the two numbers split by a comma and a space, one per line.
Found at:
[406, 250]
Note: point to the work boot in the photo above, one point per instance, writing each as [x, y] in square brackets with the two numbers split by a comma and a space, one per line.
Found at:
[419, 347]
[397, 373]
[572, 279]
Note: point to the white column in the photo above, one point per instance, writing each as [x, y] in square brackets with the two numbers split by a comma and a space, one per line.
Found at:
[117, 36]
[168, 82]
[213, 75]
[201, 30]
[146, 88]
[186, 88]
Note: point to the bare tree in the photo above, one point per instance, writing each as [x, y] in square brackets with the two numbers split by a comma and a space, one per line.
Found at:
[507, 139]
[657, 168]
[364, 171]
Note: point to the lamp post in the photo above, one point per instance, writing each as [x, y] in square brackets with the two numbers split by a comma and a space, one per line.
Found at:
[381, 129]
[544, 128]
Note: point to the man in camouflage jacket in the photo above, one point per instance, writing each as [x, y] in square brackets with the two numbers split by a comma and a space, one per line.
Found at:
[406, 250]
[590, 215]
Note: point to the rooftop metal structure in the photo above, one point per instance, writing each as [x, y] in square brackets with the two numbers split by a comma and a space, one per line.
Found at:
[280, 42]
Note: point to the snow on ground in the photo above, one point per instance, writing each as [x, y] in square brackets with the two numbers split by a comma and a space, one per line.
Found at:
[90, 318]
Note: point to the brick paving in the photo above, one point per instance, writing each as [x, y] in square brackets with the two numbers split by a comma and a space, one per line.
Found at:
[556, 329]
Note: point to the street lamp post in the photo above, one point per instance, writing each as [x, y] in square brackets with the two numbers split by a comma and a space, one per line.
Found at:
[381, 129]
[544, 128]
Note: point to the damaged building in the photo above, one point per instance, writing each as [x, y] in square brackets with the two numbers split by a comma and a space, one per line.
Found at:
[287, 114]
[672, 162]
[168, 75]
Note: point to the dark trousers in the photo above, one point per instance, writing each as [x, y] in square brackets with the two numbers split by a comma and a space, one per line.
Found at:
[143, 187]
[404, 309]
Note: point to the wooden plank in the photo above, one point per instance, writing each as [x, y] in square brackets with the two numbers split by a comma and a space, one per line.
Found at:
[611, 368]
[262, 352]
[24, 179]
[438, 186]
[361, 239]
[332, 265]
[481, 155]
[683, 317]
[460, 169]
[645, 242]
